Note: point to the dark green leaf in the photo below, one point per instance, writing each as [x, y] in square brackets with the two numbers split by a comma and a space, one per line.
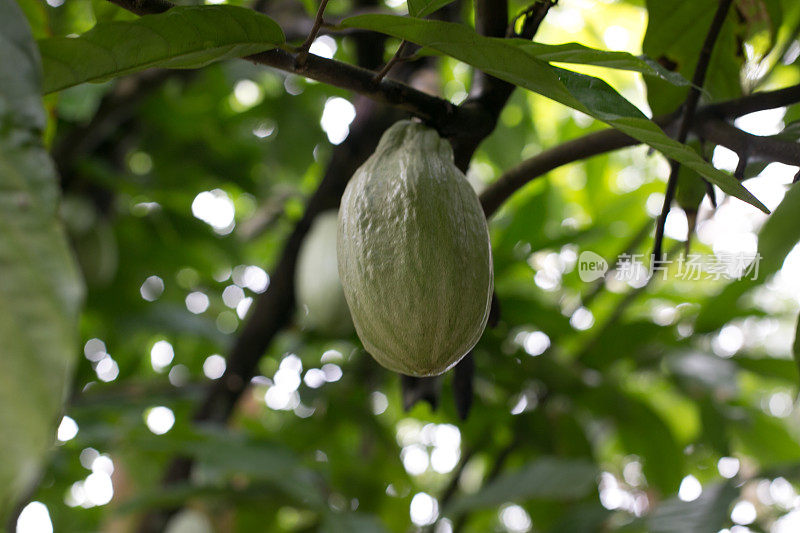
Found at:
[769, 367]
[512, 63]
[421, 8]
[183, 37]
[548, 478]
[766, 439]
[707, 513]
[642, 431]
[351, 522]
[586, 518]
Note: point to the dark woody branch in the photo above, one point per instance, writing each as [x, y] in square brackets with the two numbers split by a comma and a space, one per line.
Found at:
[747, 145]
[447, 118]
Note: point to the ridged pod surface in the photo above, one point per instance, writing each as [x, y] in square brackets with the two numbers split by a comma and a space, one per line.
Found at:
[414, 254]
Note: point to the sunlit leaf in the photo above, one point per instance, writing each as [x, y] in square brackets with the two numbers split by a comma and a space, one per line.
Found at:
[183, 37]
[584, 55]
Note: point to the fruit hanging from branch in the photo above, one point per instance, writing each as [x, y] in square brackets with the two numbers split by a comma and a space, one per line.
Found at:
[414, 254]
[317, 286]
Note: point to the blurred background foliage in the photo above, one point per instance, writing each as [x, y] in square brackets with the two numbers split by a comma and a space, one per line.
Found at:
[603, 406]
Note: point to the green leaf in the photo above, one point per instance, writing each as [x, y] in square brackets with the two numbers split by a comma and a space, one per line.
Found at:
[780, 233]
[36, 13]
[183, 37]
[40, 291]
[709, 512]
[226, 456]
[766, 439]
[511, 62]
[579, 54]
[644, 433]
[547, 478]
[770, 367]
[351, 522]
[691, 188]
[690, 19]
[585, 517]
[421, 8]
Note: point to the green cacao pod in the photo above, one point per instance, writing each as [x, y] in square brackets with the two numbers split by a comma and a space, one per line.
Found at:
[317, 287]
[414, 254]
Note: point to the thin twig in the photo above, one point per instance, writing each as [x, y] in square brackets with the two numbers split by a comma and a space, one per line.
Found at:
[532, 16]
[396, 58]
[302, 51]
[687, 116]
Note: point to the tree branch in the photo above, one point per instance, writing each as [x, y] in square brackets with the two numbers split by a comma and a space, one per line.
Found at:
[489, 94]
[569, 152]
[448, 119]
[706, 125]
[749, 146]
[687, 116]
[752, 103]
